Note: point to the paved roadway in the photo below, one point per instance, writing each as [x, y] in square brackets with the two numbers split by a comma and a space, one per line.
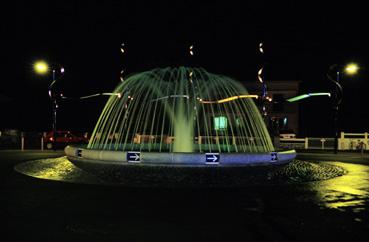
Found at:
[41, 210]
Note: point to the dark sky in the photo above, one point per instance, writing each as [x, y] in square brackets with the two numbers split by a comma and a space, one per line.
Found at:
[302, 39]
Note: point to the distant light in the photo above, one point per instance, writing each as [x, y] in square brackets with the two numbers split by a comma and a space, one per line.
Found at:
[121, 75]
[41, 67]
[260, 72]
[351, 68]
[261, 48]
[220, 123]
[248, 96]
[62, 70]
[303, 96]
[122, 48]
[228, 99]
[191, 50]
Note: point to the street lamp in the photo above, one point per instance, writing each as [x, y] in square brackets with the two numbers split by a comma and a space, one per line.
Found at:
[349, 69]
[41, 67]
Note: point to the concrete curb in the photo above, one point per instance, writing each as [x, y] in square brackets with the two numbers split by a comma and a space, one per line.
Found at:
[177, 159]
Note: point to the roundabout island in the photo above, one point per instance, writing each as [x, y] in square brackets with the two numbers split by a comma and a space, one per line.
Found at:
[177, 118]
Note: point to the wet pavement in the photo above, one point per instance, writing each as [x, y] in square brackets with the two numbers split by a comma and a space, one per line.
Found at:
[164, 176]
[43, 210]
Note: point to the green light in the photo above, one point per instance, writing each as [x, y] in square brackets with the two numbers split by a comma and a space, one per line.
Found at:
[220, 123]
[303, 96]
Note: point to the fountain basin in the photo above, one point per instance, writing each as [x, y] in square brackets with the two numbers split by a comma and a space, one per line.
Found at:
[120, 158]
[178, 169]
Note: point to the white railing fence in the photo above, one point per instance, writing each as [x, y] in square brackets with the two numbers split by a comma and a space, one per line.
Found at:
[347, 141]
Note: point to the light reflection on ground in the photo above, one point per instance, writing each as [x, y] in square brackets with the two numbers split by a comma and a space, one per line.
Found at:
[345, 192]
[350, 191]
[57, 169]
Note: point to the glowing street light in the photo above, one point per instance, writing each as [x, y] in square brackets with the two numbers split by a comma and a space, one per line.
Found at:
[41, 67]
[349, 69]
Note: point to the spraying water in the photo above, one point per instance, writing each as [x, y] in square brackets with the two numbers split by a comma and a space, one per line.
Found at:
[181, 110]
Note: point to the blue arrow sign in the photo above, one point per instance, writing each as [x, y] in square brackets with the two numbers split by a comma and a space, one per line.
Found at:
[133, 156]
[212, 158]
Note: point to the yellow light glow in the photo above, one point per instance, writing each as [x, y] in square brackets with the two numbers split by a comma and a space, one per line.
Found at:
[344, 192]
[229, 99]
[249, 96]
[351, 68]
[41, 67]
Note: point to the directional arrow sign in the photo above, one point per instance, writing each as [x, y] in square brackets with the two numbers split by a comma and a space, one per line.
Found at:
[133, 156]
[212, 158]
[79, 153]
[274, 156]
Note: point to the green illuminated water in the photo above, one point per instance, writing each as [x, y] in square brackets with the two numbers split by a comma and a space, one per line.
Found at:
[173, 110]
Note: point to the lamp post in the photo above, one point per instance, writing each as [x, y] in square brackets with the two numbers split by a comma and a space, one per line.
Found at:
[349, 69]
[41, 67]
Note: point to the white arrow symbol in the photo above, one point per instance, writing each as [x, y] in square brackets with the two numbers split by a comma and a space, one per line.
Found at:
[214, 158]
[135, 156]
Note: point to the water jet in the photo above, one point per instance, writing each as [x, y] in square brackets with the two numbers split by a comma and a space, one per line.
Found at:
[178, 117]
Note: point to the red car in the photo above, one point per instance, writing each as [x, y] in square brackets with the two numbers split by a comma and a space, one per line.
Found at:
[64, 138]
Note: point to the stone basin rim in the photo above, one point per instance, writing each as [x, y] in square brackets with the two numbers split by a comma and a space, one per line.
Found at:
[77, 155]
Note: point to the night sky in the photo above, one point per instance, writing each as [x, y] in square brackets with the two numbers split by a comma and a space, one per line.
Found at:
[301, 38]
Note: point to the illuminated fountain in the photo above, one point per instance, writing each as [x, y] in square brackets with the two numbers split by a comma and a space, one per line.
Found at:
[182, 117]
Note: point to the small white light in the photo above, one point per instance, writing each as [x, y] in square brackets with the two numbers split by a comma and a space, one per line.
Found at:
[191, 50]
[261, 48]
